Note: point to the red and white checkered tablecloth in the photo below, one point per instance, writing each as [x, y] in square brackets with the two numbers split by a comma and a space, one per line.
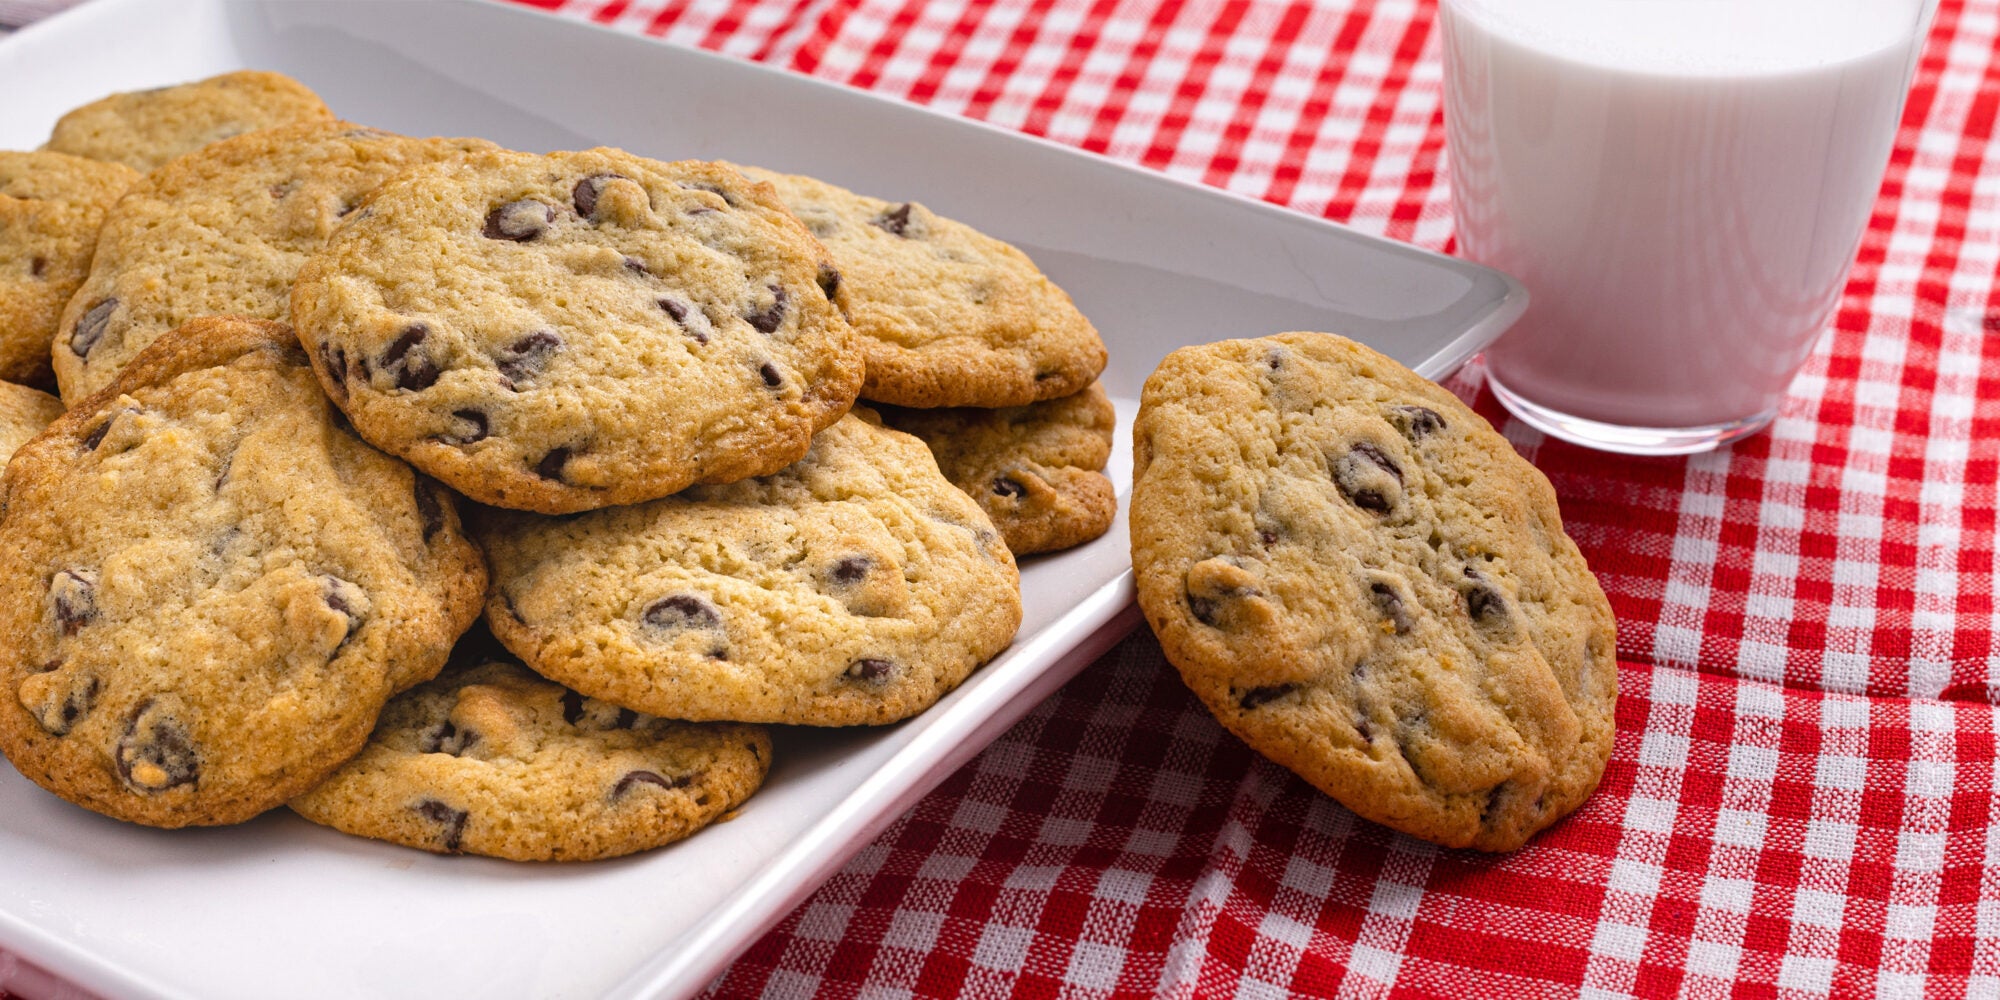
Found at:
[1802, 800]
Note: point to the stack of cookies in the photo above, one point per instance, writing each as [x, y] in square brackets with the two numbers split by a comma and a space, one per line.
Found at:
[329, 394]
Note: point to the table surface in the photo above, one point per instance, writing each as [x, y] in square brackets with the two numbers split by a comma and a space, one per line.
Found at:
[1802, 797]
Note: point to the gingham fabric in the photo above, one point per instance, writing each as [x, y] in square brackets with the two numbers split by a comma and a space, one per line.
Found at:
[1802, 797]
[1801, 801]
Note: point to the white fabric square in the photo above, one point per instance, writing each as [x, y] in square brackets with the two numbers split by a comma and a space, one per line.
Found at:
[1094, 966]
[913, 930]
[824, 921]
[973, 814]
[1286, 931]
[1374, 963]
[1845, 773]
[786, 983]
[1911, 923]
[1123, 885]
[1650, 815]
[1741, 828]
[1753, 763]
[1636, 877]
[1619, 941]
[1034, 878]
[1818, 908]
[1713, 958]
[1315, 880]
[1830, 840]
[1394, 899]
[1063, 831]
[1810, 975]
[1663, 750]
[1003, 948]
[947, 867]
[1730, 895]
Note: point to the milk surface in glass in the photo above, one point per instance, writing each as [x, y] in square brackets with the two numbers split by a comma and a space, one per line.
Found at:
[1680, 184]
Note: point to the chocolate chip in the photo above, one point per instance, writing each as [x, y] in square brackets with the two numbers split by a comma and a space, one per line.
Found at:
[1275, 359]
[222, 474]
[448, 738]
[1485, 602]
[451, 820]
[727, 198]
[1268, 537]
[155, 752]
[636, 778]
[768, 320]
[1390, 604]
[73, 597]
[343, 597]
[871, 670]
[1203, 609]
[770, 375]
[1010, 488]
[412, 365]
[572, 704]
[678, 612]
[39, 265]
[626, 719]
[1493, 798]
[692, 321]
[1368, 478]
[59, 716]
[551, 465]
[895, 220]
[584, 195]
[527, 356]
[96, 435]
[513, 611]
[851, 569]
[333, 361]
[90, 327]
[636, 266]
[1258, 697]
[518, 221]
[1363, 730]
[1416, 421]
[829, 279]
[430, 508]
[476, 428]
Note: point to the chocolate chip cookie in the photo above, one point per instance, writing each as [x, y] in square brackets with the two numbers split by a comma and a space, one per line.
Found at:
[565, 332]
[1361, 579]
[209, 586]
[143, 129]
[51, 205]
[23, 414]
[856, 586]
[1035, 469]
[222, 231]
[494, 760]
[948, 316]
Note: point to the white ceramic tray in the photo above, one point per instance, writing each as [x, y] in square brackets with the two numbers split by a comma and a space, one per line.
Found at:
[278, 907]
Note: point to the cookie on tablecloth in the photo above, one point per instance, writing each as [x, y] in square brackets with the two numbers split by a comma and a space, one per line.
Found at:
[856, 586]
[565, 332]
[143, 129]
[209, 586]
[494, 760]
[23, 414]
[51, 205]
[947, 315]
[222, 231]
[1366, 583]
[1036, 470]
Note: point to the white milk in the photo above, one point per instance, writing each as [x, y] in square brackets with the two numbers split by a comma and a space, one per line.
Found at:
[1681, 184]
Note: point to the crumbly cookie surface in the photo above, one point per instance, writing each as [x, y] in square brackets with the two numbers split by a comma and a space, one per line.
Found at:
[565, 332]
[211, 586]
[948, 316]
[143, 129]
[222, 231]
[1036, 470]
[856, 586]
[1361, 579]
[23, 414]
[494, 760]
[51, 205]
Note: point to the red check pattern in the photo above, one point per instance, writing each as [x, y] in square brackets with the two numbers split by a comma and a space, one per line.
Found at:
[1801, 801]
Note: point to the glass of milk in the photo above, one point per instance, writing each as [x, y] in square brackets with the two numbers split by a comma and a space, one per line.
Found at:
[1680, 184]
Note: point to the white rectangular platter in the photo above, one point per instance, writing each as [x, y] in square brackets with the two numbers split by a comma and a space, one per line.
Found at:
[279, 907]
